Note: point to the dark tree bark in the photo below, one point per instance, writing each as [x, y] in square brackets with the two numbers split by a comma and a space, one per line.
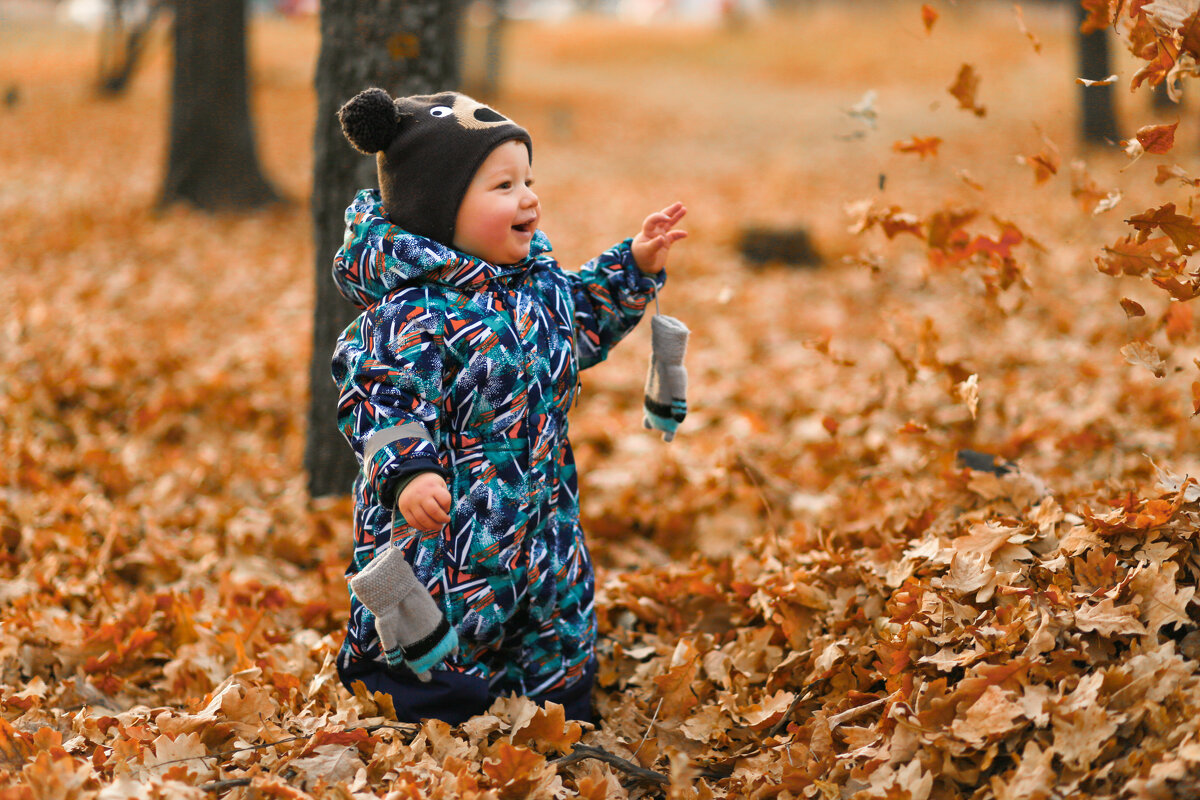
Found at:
[403, 46]
[1098, 120]
[123, 40]
[212, 162]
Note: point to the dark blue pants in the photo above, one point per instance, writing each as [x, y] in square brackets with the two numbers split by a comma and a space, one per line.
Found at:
[455, 698]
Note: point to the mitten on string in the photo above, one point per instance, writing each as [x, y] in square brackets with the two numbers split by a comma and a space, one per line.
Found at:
[666, 383]
[411, 627]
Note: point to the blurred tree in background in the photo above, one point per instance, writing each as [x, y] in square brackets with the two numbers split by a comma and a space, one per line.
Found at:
[403, 46]
[212, 162]
[123, 39]
[1097, 104]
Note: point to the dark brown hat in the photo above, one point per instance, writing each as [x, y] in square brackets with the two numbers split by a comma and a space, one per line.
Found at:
[427, 150]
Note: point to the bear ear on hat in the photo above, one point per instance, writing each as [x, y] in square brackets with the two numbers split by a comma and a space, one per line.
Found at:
[369, 120]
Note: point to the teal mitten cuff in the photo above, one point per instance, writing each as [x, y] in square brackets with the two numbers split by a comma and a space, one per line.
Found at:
[665, 403]
[412, 629]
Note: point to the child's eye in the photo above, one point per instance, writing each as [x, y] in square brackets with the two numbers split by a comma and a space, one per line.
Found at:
[505, 185]
[529, 182]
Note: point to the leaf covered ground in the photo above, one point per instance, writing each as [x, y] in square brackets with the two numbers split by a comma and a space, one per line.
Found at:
[809, 593]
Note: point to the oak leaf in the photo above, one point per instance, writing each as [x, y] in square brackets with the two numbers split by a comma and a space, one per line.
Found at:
[993, 714]
[549, 728]
[330, 763]
[1108, 619]
[1182, 230]
[1144, 354]
[517, 772]
[1131, 256]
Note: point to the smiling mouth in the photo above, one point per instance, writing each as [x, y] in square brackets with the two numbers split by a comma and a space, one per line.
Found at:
[525, 227]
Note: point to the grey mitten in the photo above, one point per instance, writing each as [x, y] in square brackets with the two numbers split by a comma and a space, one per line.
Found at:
[411, 627]
[666, 383]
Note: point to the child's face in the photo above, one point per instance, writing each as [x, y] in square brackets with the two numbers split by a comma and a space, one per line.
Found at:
[499, 213]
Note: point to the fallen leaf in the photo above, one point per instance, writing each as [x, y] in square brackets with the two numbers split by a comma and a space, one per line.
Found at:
[964, 89]
[927, 146]
[929, 16]
[1157, 139]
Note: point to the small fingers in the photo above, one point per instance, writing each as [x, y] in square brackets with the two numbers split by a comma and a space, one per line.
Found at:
[434, 510]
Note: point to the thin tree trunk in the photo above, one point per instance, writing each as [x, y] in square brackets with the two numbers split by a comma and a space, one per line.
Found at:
[212, 162]
[405, 47]
[1098, 120]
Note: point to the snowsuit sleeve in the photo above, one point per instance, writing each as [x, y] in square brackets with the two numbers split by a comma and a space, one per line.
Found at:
[388, 368]
[610, 294]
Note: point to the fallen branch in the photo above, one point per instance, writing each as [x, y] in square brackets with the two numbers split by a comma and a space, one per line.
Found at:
[220, 786]
[582, 751]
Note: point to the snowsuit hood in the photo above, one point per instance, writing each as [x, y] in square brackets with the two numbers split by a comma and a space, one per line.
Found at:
[378, 257]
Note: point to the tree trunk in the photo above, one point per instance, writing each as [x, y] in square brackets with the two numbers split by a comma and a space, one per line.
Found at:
[403, 46]
[1098, 121]
[212, 162]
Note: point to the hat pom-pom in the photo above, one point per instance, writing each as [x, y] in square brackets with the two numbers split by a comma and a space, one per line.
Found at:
[369, 120]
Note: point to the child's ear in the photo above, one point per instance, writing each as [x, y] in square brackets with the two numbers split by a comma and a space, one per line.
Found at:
[369, 120]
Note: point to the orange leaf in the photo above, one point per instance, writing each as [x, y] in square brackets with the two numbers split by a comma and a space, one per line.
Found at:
[1045, 165]
[1166, 173]
[964, 88]
[1099, 15]
[1190, 33]
[1182, 230]
[549, 727]
[1180, 291]
[1179, 322]
[929, 16]
[1131, 257]
[1157, 139]
[927, 146]
[1195, 398]
[514, 770]
[1132, 308]
[895, 223]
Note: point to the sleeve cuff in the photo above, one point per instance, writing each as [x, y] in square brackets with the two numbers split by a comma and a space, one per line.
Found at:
[387, 479]
[636, 281]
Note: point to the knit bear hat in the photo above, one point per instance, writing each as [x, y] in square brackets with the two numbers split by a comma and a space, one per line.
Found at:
[427, 148]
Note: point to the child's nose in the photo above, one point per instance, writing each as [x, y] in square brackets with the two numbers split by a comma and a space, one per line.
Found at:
[530, 199]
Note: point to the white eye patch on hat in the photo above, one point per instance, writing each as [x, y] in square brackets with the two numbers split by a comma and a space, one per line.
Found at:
[470, 114]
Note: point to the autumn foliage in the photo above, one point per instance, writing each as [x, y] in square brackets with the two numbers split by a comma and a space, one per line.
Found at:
[929, 531]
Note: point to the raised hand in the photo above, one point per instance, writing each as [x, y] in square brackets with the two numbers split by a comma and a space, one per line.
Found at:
[654, 240]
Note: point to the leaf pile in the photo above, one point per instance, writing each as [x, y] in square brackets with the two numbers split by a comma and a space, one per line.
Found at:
[929, 530]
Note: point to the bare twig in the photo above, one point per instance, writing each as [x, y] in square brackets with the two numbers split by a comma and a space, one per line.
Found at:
[804, 695]
[220, 786]
[649, 727]
[582, 751]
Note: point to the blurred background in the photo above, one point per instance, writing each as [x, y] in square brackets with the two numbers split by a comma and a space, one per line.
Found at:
[895, 214]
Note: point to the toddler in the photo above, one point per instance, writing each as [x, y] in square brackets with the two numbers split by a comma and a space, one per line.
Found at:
[470, 578]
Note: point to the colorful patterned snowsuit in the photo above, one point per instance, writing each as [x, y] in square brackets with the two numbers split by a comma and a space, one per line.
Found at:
[469, 368]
